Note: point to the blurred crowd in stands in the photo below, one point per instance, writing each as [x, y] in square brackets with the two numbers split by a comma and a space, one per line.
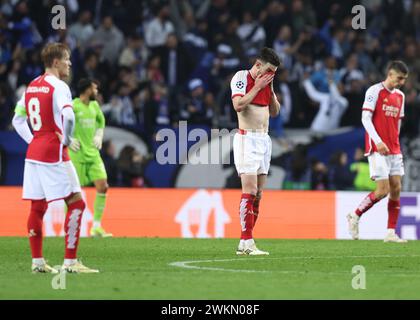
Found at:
[159, 62]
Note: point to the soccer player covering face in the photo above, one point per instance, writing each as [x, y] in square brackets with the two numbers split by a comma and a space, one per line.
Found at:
[49, 174]
[254, 101]
[383, 110]
[85, 146]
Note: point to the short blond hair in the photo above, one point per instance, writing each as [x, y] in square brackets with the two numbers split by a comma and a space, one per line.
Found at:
[53, 51]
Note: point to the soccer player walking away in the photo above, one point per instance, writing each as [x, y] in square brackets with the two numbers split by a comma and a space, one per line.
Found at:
[254, 101]
[49, 174]
[85, 146]
[383, 110]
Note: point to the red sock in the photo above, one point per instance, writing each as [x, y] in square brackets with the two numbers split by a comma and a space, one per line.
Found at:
[366, 204]
[72, 228]
[393, 212]
[256, 209]
[35, 219]
[246, 215]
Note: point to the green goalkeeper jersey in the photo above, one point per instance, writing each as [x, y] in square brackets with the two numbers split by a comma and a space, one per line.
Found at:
[89, 118]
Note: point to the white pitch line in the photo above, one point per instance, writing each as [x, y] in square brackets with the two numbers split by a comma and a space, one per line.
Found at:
[187, 264]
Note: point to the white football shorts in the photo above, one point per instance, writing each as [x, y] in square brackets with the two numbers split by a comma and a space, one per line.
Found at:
[50, 182]
[382, 167]
[252, 152]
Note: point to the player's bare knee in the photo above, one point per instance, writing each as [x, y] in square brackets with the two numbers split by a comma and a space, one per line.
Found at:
[252, 191]
[382, 192]
[73, 198]
[395, 191]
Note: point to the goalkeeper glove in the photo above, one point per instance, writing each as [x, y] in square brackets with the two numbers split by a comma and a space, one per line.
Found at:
[97, 139]
[74, 144]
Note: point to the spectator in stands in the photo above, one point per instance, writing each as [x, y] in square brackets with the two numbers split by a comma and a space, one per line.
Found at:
[251, 32]
[158, 99]
[351, 72]
[231, 38]
[154, 70]
[155, 110]
[303, 65]
[61, 35]
[196, 109]
[285, 92]
[340, 176]
[319, 175]
[298, 175]
[224, 64]
[90, 67]
[82, 30]
[362, 181]
[176, 67]
[302, 16]
[6, 103]
[331, 106]
[195, 40]
[284, 47]
[157, 30]
[328, 71]
[135, 56]
[32, 67]
[109, 39]
[274, 17]
[411, 21]
[182, 16]
[5, 53]
[276, 124]
[355, 96]
[127, 116]
[112, 110]
[13, 76]
[411, 124]
[130, 164]
[22, 27]
[108, 157]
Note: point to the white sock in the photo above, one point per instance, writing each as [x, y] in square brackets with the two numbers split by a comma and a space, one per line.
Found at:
[96, 224]
[249, 242]
[391, 231]
[354, 215]
[69, 262]
[38, 261]
[242, 243]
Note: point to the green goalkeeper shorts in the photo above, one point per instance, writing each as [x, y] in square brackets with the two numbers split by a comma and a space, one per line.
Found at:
[88, 172]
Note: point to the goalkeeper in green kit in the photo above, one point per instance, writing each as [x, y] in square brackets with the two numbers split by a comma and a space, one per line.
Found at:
[85, 146]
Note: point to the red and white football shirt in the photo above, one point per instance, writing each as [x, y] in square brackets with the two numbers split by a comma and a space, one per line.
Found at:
[242, 82]
[387, 108]
[44, 100]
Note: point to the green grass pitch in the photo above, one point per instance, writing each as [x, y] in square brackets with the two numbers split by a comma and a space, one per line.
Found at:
[140, 268]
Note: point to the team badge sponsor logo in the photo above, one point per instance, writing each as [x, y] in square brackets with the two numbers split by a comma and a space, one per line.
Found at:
[240, 84]
[370, 98]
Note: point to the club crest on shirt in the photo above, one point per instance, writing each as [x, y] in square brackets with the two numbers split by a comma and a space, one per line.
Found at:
[240, 84]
